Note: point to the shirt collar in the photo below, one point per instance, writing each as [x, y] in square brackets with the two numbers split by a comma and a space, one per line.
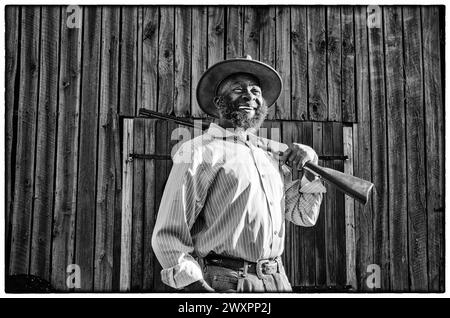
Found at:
[216, 131]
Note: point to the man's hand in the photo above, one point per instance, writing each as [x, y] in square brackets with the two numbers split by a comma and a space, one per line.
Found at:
[297, 155]
[200, 286]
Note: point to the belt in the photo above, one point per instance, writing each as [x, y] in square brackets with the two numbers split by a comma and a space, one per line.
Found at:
[264, 266]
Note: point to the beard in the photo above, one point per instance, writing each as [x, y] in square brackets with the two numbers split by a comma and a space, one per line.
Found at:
[240, 118]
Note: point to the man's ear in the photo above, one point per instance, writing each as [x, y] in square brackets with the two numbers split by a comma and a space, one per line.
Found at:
[216, 100]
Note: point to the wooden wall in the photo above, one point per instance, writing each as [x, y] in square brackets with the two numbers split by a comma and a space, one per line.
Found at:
[68, 89]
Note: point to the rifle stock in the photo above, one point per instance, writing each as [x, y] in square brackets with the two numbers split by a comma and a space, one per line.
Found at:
[353, 186]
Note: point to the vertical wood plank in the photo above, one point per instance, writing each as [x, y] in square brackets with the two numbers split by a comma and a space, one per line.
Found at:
[283, 61]
[106, 172]
[137, 230]
[128, 65]
[395, 115]
[339, 209]
[334, 62]
[434, 141]
[267, 46]
[320, 247]
[350, 246]
[87, 169]
[118, 168]
[26, 134]
[348, 65]
[66, 152]
[182, 98]
[139, 57]
[12, 71]
[127, 206]
[165, 60]
[379, 155]
[161, 142]
[330, 211]
[235, 32]
[199, 54]
[415, 147]
[149, 206]
[46, 143]
[150, 37]
[363, 152]
[251, 32]
[299, 67]
[216, 34]
[317, 85]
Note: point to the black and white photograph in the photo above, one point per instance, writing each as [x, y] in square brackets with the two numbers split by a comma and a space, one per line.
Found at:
[224, 149]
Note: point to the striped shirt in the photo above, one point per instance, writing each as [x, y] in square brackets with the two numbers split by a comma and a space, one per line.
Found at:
[224, 194]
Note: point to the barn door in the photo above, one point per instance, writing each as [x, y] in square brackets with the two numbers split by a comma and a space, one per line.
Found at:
[316, 258]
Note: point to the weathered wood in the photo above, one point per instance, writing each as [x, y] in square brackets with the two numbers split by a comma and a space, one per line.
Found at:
[26, 129]
[199, 54]
[350, 246]
[166, 60]
[334, 81]
[118, 168]
[128, 55]
[251, 32]
[66, 152]
[161, 146]
[139, 57]
[379, 155]
[317, 68]
[127, 206]
[348, 65]
[216, 34]
[12, 70]
[339, 208]
[149, 207]
[330, 212]
[267, 46]
[235, 32]
[86, 198]
[283, 61]
[150, 38]
[137, 230]
[106, 172]
[45, 143]
[363, 152]
[434, 143]
[415, 146]
[395, 115]
[320, 247]
[299, 66]
[182, 89]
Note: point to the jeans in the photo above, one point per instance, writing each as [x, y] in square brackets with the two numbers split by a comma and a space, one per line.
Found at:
[225, 280]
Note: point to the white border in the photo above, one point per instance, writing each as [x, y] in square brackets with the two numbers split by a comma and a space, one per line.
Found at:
[179, 295]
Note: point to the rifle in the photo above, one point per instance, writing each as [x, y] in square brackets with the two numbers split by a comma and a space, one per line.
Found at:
[353, 186]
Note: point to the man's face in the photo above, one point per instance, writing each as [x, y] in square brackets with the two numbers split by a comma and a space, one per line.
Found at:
[240, 101]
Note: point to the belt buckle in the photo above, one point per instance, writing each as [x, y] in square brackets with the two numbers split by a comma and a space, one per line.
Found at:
[260, 267]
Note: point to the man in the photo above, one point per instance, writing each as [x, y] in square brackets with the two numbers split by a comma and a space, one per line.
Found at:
[221, 222]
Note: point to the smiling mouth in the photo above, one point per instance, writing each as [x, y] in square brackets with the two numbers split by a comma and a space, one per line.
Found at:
[246, 108]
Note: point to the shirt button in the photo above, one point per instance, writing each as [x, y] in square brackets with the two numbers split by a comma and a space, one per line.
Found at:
[270, 202]
[275, 233]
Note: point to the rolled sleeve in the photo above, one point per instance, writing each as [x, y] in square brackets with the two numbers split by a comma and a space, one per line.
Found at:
[180, 206]
[303, 200]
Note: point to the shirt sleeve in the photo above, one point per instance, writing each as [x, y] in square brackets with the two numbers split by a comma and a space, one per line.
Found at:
[302, 201]
[181, 203]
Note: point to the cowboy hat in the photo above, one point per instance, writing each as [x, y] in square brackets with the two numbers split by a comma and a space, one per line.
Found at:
[269, 80]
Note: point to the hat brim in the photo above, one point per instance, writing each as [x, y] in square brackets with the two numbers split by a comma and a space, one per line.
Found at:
[269, 80]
